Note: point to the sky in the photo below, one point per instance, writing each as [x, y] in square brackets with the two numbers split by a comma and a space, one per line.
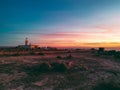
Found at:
[60, 23]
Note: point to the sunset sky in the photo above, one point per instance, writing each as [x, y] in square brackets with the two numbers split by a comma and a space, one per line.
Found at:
[60, 23]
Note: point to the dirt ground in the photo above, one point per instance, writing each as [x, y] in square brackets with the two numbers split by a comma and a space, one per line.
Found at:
[84, 72]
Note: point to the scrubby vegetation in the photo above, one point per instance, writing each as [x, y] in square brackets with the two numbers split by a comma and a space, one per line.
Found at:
[59, 67]
[59, 57]
[69, 56]
[107, 86]
[37, 69]
[60, 71]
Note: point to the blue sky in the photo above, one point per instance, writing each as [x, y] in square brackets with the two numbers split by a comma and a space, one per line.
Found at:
[36, 19]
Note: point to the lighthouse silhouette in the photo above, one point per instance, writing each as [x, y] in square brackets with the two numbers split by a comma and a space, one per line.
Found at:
[26, 41]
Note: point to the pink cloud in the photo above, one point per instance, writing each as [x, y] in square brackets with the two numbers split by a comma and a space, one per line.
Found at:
[89, 36]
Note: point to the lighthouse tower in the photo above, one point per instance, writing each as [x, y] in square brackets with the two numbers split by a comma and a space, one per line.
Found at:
[26, 41]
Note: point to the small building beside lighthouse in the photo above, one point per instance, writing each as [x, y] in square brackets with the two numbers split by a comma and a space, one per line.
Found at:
[27, 45]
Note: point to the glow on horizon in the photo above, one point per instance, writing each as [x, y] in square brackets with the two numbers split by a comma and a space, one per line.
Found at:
[61, 23]
[102, 29]
[103, 36]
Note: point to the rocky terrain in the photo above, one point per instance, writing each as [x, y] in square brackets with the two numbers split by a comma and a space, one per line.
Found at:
[81, 70]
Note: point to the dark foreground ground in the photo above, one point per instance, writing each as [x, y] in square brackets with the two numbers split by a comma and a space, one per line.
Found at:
[59, 71]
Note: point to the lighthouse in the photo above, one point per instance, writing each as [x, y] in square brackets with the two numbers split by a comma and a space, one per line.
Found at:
[27, 45]
[26, 41]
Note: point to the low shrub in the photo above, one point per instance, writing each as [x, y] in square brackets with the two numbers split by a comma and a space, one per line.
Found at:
[45, 67]
[59, 57]
[32, 53]
[106, 86]
[41, 54]
[59, 67]
[69, 56]
[16, 54]
[37, 69]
